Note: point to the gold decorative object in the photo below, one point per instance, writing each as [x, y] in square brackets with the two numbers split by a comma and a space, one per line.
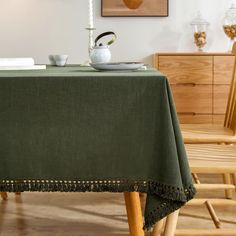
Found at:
[133, 4]
[200, 31]
[229, 25]
[200, 39]
[230, 31]
[123, 8]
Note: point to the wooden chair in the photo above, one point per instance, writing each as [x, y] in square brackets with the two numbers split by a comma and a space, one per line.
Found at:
[216, 134]
[205, 133]
[210, 134]
[207, 156]
[213, 159]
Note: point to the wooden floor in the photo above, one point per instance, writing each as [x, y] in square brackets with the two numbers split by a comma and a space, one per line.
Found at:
[85, 214]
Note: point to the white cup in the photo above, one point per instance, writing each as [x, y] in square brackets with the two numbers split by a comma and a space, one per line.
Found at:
[58, 60]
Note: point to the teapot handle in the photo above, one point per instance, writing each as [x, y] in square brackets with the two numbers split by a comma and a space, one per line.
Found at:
[105, 34]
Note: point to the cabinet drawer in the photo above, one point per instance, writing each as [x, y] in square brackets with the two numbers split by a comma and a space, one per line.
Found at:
[223, 68]
[187, 69]
[195, 119]
[221, 93]
[193, 99]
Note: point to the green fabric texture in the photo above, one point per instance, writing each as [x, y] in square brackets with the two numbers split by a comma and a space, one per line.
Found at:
[76, 129]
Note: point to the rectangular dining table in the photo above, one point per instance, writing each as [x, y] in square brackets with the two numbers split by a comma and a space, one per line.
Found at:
[75, 129]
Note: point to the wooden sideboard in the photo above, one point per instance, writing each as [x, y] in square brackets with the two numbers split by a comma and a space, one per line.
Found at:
[200, 83]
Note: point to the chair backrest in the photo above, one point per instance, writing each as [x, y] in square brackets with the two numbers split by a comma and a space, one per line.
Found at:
[230, 116]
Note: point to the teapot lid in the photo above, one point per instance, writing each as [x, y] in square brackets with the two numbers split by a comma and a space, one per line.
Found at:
[100, 47]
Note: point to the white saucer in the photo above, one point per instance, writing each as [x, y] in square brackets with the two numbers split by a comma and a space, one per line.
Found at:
[117, 66]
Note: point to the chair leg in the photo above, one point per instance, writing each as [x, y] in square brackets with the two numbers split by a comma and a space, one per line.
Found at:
[158, 228]
[3, 195]
[171, 223]
[213, 215]
[227, 180]
[209, 206]
[195, 178]
[234, 180]
[134, 214]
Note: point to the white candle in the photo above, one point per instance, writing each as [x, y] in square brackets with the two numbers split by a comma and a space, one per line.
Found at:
[91, 14]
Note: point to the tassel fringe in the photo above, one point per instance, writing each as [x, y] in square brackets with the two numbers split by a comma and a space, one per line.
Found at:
[170, 193]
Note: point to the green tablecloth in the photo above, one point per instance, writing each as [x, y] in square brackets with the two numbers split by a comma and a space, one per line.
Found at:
[75, 129]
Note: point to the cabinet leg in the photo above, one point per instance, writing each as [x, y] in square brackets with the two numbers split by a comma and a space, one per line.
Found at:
[134, 214]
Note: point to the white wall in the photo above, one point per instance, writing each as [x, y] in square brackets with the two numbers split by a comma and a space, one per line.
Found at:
[40, 27]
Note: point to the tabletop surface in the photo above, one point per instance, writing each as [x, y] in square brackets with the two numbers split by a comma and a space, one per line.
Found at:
[76, 129]
[75, 71]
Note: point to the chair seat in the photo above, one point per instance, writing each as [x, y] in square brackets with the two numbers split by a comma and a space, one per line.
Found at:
[211, 158]
[207, 133]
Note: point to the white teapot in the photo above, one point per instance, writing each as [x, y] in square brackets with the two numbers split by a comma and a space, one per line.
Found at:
[101, 53]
